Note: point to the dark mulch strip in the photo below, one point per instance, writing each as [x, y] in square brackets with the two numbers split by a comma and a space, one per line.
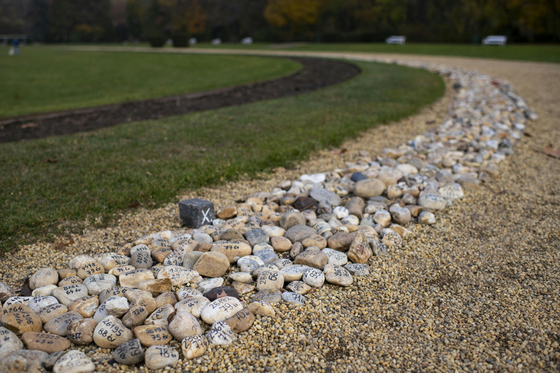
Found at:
[315, 74]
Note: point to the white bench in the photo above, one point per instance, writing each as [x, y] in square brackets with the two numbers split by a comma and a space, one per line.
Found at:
[248, 40]
[494, 40]
[395, 40]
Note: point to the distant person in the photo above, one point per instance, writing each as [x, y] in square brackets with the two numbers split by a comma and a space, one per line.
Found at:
[14, 51]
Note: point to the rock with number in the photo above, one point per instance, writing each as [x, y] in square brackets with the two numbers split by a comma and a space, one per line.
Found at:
[9, 342]
[61, 325]
[74, 362]
[194, 346]
[48, 343]
[81, 331]
[184, 325]
[152, 335]
[221, 334]
[220, 309]
[111, 333]
[337, 275]
[158, 357]
[129, 353]
[196, 212]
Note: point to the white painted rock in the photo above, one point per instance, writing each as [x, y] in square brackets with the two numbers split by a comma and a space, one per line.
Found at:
[313, 277]
[74, 362]
[194, 346]
[158, 357]
[220, 309]
[221, 334]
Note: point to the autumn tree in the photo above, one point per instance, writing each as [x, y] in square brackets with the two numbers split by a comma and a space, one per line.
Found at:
[294, 16]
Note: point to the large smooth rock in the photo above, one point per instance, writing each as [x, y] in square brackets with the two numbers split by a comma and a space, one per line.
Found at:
[212, 264]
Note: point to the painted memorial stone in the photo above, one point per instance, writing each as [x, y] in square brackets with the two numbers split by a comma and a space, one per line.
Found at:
[152, 335]
[194, 346]
[220, 309]
[196, 212]
[129, 353]
[158, 357]
[48, 343]
[81, 331]
[111, 333]
[221, 334]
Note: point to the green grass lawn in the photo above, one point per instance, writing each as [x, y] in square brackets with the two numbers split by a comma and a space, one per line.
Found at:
[43, 79]
[519, 52]
[101, 172]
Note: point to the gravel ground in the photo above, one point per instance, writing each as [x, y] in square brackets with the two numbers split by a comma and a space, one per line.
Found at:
[476, 292]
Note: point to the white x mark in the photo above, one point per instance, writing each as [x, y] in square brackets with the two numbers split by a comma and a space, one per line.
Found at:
[205, 214]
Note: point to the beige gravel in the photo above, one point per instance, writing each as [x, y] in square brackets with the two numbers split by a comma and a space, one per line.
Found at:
[476, 292]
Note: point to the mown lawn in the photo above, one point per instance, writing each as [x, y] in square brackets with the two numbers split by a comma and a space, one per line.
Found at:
[518, 52]
[43, 79]
[93, 175]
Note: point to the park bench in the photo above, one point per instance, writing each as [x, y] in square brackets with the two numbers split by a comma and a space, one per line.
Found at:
[395, 40]
[495, 40]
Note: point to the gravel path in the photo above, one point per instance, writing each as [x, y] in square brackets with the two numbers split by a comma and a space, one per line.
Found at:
[476, 292]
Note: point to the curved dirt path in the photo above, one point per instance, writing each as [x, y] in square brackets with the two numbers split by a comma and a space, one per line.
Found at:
[479, 291]
[314, 74]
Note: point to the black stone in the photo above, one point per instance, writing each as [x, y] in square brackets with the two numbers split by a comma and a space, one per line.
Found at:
[357, 176]
[196, 212]
[305, 203]
[457, 86]
[220, 292]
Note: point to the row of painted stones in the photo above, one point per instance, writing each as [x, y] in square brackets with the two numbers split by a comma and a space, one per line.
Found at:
[278, 245]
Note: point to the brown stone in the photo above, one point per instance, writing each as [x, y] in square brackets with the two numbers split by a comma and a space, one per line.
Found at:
[48, 343]
[212, 264]
[50, 312]
[160, 254]
[166, 298]
[281, 244]
[66, 272]
[356, 207]
[153, 335]
[227, 212]
[233, 250]
[241, 321]
[156, 286]
[318, 241]
[312, 257]
[360, 251]
[135, 316]
[22, 321]
[72, 280]
[81, 331]
[92, 268]
[86, 306]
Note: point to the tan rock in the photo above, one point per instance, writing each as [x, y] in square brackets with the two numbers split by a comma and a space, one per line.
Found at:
[360, 251]
[86, 306]
[21, 322]
[233, 250]
[212, 264]
[48, 343]
[153, 335]
[241, 321]
[91, 268]
[156, 286]
[81, 331]
[135, 316]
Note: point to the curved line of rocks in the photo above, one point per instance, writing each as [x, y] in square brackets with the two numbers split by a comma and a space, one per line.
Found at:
[301, 233]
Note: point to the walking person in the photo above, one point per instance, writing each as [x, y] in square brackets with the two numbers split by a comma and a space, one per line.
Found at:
[15, 47]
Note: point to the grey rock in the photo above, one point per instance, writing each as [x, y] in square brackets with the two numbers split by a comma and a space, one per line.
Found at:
[196, 212]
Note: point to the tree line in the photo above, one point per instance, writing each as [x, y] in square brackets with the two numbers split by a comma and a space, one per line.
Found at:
[281, 20]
